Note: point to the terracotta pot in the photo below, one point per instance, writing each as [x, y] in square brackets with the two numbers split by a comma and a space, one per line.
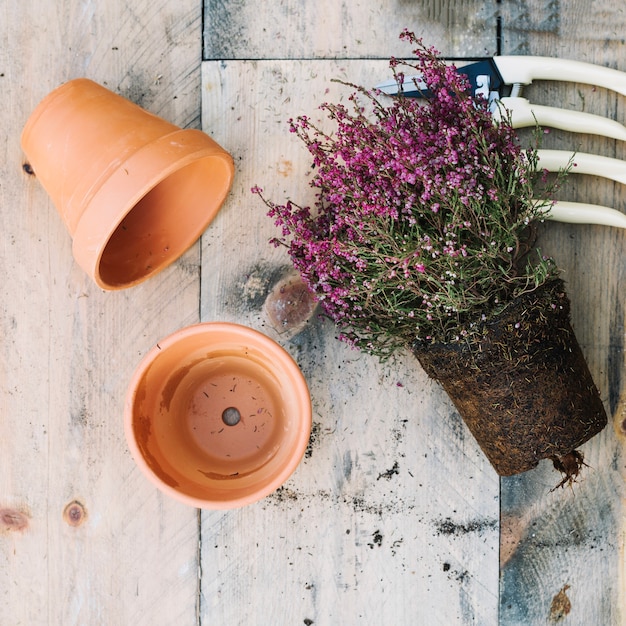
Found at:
[217, 415]
[134, 191]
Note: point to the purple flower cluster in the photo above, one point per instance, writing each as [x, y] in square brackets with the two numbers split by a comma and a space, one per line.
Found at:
[420, 228]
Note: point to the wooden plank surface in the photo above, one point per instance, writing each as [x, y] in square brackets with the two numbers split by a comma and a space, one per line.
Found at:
[393, 515]
[340, 29]
[546, 535]
[566, 548]
[83, 538]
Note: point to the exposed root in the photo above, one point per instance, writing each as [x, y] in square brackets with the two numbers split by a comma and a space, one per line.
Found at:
[570, 466]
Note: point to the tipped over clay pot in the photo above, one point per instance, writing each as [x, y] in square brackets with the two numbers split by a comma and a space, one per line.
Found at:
[217, 415]
[134, 191]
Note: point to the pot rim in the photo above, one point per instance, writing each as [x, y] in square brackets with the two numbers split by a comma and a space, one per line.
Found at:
[244, 336]
[188, 146]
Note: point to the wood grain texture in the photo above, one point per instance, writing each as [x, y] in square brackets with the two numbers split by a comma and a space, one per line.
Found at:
[121, 554]
[393, 515]
[575, 538]
[339, 29]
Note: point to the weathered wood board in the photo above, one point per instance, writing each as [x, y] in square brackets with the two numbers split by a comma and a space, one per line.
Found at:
[121, 553]
[565, 549]
[345, 29]
[393, 515]
[545, 535]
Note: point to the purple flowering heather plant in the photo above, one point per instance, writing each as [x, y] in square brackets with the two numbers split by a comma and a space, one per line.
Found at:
[424, 217]
[422, 237]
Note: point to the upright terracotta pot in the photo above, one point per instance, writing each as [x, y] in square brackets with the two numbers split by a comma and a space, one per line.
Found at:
[217, 415]
[134, 191]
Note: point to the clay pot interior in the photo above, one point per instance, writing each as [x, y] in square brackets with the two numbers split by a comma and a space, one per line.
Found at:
[162, 224]
[218, 415]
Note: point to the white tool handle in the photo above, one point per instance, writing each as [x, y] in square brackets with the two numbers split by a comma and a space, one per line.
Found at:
[582, 213]
[582, 163]
[524, 69]
[525, 114]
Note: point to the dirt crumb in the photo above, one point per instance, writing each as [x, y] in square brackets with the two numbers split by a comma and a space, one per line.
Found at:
[449, 527]
[561, 605]
[390, 472]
